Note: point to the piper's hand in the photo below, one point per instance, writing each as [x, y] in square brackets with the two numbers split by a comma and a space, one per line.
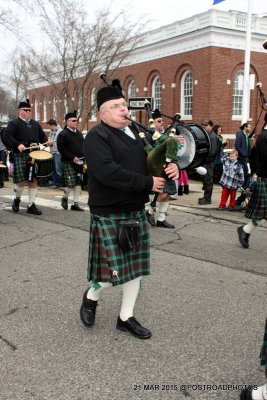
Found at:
[21, 148]
[158, 184]
[172, 171]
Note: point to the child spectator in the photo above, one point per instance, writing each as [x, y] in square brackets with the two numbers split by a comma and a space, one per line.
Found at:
[232, 178]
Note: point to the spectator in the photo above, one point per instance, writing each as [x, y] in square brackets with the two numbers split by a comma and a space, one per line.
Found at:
[209, 164]
[55, 129]
[232, 178]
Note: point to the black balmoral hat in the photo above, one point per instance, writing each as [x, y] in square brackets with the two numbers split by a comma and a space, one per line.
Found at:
[71, 115]
[25, 104]
[156, 114]
[109, 93]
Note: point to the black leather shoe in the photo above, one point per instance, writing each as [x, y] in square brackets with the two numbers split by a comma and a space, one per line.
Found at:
[151, 218]
[87, 311]
[246, 394]
[164, 224]
[203, 201]
[34, 210]
[243, 236]
[15, 205]
[64, 203]
[134, 327]
[76, 207]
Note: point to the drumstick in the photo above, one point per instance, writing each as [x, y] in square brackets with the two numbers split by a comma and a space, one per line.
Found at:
[35, 147]
[81, 158]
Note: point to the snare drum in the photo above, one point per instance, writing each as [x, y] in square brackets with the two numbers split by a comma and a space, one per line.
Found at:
[43, 163]
[195, 145]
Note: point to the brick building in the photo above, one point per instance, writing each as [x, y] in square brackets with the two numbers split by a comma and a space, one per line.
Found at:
[194, 67]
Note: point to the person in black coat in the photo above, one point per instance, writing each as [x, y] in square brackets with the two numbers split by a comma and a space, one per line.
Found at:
[18, 136]
[70, 145]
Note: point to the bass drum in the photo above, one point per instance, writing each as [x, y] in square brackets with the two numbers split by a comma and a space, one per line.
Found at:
[195, 144]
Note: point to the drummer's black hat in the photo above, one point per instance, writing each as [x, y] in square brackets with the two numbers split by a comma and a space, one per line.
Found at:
[156, 114]
[25, 104]
[112, 92]
[71, 115]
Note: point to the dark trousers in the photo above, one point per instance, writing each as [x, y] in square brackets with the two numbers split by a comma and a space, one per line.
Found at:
[208, 179]
[3, 158]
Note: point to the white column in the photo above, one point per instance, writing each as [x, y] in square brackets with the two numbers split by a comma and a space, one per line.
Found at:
[246, 88]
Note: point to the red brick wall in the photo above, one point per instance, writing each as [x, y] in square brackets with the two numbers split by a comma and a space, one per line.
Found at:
[212, 96]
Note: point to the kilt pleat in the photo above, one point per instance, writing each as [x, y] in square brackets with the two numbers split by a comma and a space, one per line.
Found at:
[21, 161]
[257, 206]
[106, 261]
[70, 176]
[170, 187]
[263, 355]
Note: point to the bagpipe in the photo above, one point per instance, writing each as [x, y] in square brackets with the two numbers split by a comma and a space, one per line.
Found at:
[188, 145]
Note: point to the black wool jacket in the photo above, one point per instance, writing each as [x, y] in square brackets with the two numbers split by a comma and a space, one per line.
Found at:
[18, 132]
[70, 144]
[117, 175]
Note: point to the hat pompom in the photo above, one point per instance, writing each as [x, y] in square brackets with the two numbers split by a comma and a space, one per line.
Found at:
[156, 114]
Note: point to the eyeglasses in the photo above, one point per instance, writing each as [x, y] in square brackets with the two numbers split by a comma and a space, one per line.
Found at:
[73, 120]
[159, 120]
[116, 105]
[26, 110]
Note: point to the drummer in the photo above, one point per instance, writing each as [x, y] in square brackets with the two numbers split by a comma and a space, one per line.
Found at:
[20, 134]
[70, 145]
[169, 188]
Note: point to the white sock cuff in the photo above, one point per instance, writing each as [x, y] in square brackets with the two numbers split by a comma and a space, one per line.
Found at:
[18, 190]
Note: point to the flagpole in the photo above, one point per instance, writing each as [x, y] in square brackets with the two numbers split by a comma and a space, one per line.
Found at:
[246, 86]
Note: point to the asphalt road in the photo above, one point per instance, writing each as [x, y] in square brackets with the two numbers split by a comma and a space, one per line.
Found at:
[204, 303]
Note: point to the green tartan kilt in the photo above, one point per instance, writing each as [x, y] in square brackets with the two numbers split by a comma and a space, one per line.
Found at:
[106, 261]
[263, 355]
[170, 187]
[257, 206]
[70, 175]
[21, 161]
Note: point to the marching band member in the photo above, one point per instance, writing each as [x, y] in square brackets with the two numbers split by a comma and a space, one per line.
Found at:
[19, 134]
[168, 190]
[118, 189]
[70, 145]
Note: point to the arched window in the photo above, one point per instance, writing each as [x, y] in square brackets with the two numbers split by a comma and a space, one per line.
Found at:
[54, 107]
[93, 105]
[44, 109]
[66, 108]
[186, 95]
[238, 94]
[36, 111]
[156, 92]
[132, 93]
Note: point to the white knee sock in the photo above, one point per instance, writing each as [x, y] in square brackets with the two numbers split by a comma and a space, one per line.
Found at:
[162, 207]
[260, 393]
[32, 194]
[67, 191]
[96, 290]
[18, 190]
[76, 194]
[129, 295]
[252, 225]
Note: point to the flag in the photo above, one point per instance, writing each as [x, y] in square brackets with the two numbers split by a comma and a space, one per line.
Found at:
[216, 2]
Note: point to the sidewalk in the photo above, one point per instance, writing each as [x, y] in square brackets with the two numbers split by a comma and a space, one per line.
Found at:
[195, 192]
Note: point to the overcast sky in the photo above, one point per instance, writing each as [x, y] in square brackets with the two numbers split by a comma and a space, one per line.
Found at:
[158, 12]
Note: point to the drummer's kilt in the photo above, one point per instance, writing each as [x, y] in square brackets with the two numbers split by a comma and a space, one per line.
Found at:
[21, 161]
[70, 175]
[106, 261]
[263, 355]
[257, 206]
[170, 187]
